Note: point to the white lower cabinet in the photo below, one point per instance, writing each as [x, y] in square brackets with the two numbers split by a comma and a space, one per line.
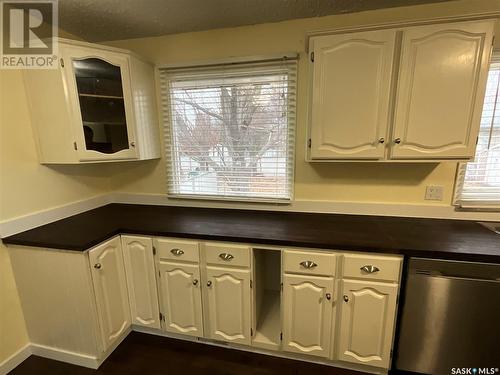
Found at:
[326, 305]
[308, 308]
[141, 281]
[367, 323]
[181, 298]
[110, 287]
[229, 304]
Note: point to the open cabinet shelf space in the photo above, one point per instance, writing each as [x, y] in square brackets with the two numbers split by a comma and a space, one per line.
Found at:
[267, 299]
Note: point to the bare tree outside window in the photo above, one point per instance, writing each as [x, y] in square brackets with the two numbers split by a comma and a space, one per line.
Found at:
[231, 136]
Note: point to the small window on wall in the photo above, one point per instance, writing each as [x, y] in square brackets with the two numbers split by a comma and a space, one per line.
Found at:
[478, 182]
[230, 130]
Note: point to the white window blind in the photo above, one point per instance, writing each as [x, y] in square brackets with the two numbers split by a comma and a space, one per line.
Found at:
[478, 182]
[230, 130]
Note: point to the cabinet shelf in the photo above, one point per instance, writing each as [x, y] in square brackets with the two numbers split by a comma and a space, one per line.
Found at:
[101, 96]
[267, 333]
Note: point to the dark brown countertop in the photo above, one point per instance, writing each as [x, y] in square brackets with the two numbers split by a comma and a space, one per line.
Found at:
[434, 238]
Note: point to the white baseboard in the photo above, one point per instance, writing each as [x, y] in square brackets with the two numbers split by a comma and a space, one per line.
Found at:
[15, 359]
[36, 219]
[56, 354]
[437, 211]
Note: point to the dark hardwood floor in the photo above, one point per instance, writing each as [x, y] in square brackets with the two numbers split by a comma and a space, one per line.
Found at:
[150, 355]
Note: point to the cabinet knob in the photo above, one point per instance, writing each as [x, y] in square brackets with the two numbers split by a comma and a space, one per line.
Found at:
[328, 296]
[195, 282]
[397, 141]
[369, 269]
[309, 264]
[177, 252]
[225, 256]
[381, 140]
[346, 298]
[209, 283]
[132, 144]
[97, 266]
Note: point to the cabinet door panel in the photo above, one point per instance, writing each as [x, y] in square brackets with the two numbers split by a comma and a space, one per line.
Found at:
[229, 302]
[181, 298]
[367, 322]
[141, 280]
[350, 96]
[110, 286]
[99, 90]
[307, 314]
[441, 87]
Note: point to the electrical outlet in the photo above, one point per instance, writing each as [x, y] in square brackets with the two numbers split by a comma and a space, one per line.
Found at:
[434, 193]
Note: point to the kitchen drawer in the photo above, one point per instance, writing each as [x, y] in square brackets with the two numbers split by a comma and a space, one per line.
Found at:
[227, 254]
[373, 267]
[309, 262]
[187, 251]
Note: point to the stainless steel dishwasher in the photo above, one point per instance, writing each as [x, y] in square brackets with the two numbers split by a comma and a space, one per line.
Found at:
[450, 318]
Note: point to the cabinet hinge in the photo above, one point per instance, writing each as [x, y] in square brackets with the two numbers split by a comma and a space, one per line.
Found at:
[251, 332]
[75, 146]
[161, 317]
[281, 336]
[309, 143]
[397, 300]
[251, 284]
[62, 62]
[281, 286]
[312, 56]
[159, 273]
[477, 140]
[391, 353]
[154, 250]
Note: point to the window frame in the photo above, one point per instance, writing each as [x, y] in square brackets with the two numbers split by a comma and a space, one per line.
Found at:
[233, 67]
[469, 204]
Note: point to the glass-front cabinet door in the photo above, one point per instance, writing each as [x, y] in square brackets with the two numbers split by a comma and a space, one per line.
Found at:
[99, 90]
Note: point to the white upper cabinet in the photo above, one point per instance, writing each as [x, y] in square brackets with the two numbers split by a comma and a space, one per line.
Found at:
[99, 105]
[399, 94]
[350, 94]
[141, 280]
[442, 80]
[110, 286]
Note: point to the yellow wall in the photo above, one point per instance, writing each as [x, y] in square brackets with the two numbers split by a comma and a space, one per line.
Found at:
[360, 182]
[13, 334]
[27, 186]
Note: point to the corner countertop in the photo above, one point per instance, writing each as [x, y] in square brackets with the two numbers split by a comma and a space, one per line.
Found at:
[431, 238]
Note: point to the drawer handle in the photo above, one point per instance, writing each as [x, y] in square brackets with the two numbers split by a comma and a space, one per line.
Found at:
[369, 269]
[346, 298]
[225, 256]
[195, 282]
[309, 264]
[209, 283]
[97, 266]
[177, 252]
[328, 296]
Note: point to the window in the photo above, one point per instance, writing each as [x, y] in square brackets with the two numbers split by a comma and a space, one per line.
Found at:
[230, 130]
[478, 182]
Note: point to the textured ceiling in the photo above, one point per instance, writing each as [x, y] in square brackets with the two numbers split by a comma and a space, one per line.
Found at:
[99, 20]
